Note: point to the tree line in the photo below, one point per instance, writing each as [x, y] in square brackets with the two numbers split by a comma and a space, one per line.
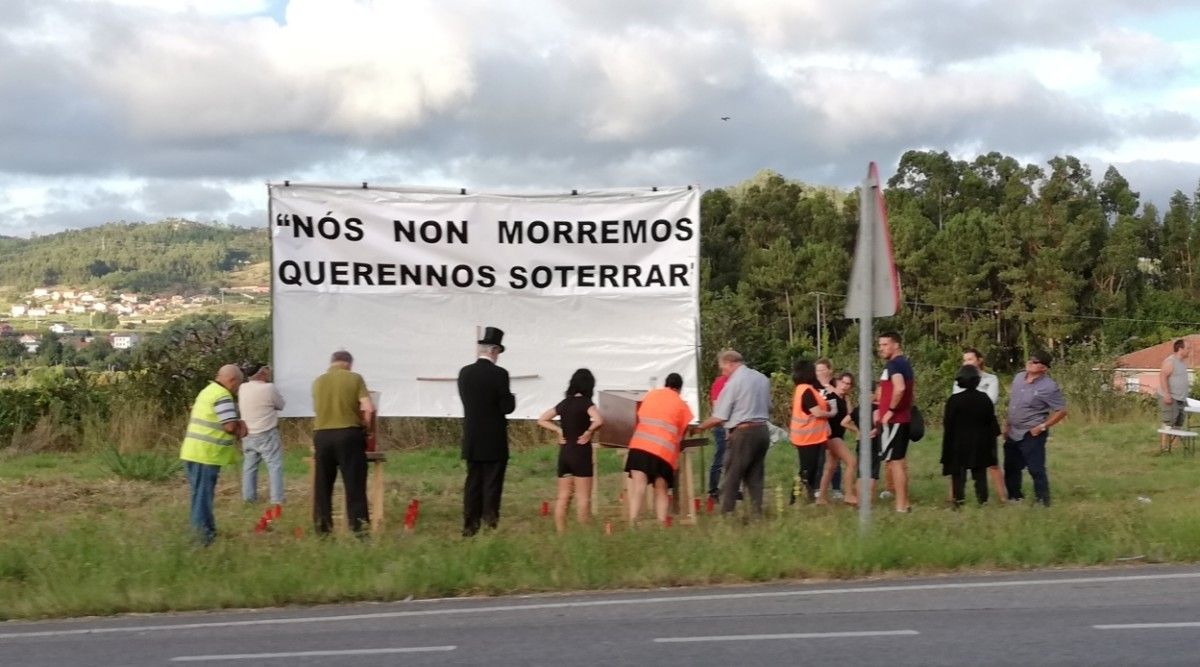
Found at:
[992, 253]
[170, 255]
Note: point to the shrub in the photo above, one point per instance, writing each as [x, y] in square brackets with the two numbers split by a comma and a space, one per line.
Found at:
[141, 466]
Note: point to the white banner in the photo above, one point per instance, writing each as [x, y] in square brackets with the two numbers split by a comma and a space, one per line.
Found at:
[407, 279]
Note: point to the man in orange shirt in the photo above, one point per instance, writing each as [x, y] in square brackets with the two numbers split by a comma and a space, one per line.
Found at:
[663, 419]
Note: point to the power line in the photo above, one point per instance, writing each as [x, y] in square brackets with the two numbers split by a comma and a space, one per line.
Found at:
[993, 311]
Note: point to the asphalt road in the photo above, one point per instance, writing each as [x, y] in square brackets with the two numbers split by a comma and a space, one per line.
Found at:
[1130, 616]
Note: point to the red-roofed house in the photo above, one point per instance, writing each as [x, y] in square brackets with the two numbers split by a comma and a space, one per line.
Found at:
[1138, 371]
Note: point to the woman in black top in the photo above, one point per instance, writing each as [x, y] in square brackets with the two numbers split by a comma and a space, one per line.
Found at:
[969, 436]
[836, 449]
[578, 420]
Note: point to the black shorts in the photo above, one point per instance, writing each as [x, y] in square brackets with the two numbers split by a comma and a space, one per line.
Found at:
[895, 441]
[654, 467]
[575, 460]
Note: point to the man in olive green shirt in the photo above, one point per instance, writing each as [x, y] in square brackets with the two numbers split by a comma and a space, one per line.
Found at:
[340, 404]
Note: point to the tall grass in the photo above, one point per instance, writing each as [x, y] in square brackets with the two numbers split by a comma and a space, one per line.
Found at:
[141, 466]
[77, 544]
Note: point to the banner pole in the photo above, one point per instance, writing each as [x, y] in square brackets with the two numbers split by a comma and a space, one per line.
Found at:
[271, 265]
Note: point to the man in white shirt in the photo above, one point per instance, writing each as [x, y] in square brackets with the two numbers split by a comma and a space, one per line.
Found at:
[259, 403]
[990, 385]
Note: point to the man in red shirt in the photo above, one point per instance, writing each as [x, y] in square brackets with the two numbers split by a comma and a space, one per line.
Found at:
[895, 413]
[714, 471]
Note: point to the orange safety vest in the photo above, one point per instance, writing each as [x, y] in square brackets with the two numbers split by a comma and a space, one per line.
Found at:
[806, 429]
[662, 421]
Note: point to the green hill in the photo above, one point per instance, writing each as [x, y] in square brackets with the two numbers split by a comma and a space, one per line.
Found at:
[170, 255]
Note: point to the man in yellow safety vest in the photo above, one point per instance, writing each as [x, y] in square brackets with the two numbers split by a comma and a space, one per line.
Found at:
[211, 442]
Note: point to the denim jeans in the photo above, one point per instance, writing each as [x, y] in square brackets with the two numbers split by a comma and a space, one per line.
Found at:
[718, 463]
[1028, 452]
[268, 447]
[202, 480]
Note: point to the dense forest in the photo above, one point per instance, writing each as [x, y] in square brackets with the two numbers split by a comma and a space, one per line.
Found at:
[171, 255]
[992, 253]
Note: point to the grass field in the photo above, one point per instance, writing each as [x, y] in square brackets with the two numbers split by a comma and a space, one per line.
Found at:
[76, 540]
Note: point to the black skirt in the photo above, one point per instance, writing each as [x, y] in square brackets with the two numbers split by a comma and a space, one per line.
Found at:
[654, 467]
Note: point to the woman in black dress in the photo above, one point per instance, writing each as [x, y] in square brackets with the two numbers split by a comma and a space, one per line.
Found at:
[578, 420]
[969, 436]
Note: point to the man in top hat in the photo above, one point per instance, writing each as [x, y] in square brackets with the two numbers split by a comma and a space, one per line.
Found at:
[484, 390]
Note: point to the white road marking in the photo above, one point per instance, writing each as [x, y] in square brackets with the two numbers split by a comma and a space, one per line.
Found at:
[794, 635]
[578, 604]
[1147, 626]
[308, 654]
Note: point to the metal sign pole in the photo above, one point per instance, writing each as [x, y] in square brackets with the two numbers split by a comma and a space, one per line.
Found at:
[866, 232]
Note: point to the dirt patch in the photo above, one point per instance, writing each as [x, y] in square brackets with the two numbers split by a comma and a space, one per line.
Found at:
[33, 495]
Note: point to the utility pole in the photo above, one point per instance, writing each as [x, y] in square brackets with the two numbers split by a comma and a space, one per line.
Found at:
[820, 328]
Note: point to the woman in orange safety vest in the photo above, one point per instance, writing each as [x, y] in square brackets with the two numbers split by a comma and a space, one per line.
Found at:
[810, 426]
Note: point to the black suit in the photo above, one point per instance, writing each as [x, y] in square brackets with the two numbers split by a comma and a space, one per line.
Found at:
[484, 390]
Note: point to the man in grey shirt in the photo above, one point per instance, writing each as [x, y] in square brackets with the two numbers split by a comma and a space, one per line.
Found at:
[743, 408]
[259, 402]
[1173, 389]
[1035, 403]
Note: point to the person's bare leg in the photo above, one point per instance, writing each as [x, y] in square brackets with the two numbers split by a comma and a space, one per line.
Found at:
[560, 503]
[827, 476]
[837, 450]
[635, 490]
[899, 471]
[662, 502]
[997, 476]
[583, 499]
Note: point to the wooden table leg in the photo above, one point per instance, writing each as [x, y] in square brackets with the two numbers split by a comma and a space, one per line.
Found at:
[595, 482]
[689, 491]
[377, 516]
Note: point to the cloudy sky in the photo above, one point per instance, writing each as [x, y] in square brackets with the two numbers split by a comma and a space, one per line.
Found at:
[144, 109]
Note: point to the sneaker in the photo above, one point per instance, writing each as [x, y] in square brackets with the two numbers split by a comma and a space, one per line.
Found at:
[884, 495]
[836, 495]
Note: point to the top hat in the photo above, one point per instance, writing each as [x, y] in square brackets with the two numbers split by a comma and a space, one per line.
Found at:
[492, 336]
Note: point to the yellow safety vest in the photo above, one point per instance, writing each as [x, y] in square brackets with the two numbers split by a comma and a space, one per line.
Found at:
[807, 429]
[206, 442]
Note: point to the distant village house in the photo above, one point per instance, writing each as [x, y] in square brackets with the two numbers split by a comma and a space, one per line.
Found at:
[124, 341]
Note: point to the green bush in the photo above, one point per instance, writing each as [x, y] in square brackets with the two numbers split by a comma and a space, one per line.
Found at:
[65, 397]
[173, 367]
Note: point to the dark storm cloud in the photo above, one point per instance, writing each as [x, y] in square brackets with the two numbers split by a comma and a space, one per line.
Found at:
[625, 94]
[1157, 180]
